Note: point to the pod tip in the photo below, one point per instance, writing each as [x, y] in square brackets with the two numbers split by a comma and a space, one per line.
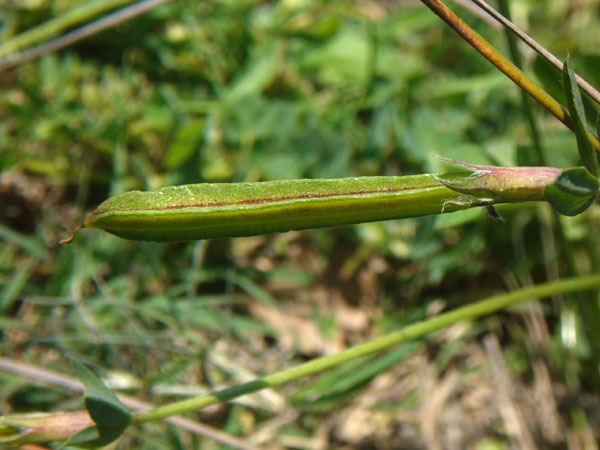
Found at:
[70, 239]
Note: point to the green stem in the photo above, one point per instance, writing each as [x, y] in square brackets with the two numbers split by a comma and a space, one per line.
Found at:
[59, 24]
[504, 65]
[416, 330]
[85, 31]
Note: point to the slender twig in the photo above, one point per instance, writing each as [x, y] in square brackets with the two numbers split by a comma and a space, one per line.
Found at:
[527, 106]
[84, 32]
[504, 65]
[475, 11]
[54, 27]
[581, 82]
[416, 330]
[56, 379]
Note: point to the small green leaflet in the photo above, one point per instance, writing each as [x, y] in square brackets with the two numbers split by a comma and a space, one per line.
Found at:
[105, 409]
[573, 191]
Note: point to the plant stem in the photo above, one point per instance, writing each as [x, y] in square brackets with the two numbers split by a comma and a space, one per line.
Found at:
[59, 24]
[416, 330]
[505, 20]
[527, 108]
[108, 21]
[504, 65]
[45, 376]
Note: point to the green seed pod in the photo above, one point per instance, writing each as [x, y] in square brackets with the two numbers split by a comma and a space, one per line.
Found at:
[203, 211]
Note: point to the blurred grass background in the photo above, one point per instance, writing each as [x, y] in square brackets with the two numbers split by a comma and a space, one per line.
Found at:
[226, 90]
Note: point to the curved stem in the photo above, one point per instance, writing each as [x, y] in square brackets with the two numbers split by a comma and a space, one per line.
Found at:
[70, 38]
[504, 65]
[418, 329]
[59, 24]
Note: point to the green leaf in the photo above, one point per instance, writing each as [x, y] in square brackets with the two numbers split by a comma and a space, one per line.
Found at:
[105, 409]
[95, 436]
[343, 59]
[573, 191]
[103, 405]
[257, 74]
[185, 141]
[577, 112]
[106, 413]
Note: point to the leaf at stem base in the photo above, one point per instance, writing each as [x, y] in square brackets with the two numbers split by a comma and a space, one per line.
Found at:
[573, 191]
[106, 410]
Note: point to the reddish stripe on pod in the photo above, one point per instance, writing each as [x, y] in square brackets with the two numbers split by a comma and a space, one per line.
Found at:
[259, 201]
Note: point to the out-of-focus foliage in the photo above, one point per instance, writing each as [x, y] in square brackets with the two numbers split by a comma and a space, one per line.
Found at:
[245, 90]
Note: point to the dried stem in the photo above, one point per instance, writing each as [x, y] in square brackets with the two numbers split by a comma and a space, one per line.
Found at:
[541, 50]
[504, 65]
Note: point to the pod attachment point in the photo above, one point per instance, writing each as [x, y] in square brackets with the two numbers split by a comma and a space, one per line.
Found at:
[70, 239]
